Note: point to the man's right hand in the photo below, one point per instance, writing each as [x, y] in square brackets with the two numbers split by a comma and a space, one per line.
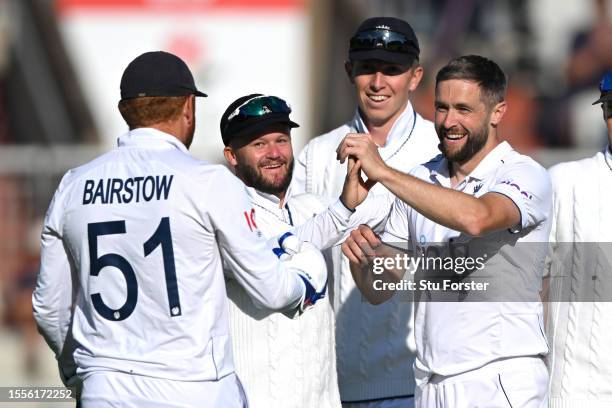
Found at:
[360, 246]
[361, 147]
[307, 261]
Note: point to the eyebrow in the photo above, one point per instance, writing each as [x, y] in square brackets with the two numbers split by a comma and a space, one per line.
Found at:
[463, 105]
[458, 105]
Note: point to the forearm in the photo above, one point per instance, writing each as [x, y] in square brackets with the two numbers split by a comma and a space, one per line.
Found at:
[247, 254]
[264, 278]
[50, 320]
[326, 228]
[445, 206]
[364, 280]
[52, 296]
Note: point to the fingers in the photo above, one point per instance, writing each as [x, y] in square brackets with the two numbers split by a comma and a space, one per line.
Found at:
[354, 173]
[360, 246]
[340, 148]
[348, 252]
[352, 144]
[353, 167]
[372, 238]
[351, 193]
[343, 141]
[346, 148]
[353, 252]
[340, 153]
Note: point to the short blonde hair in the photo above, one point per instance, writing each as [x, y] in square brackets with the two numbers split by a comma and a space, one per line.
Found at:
[149, 110]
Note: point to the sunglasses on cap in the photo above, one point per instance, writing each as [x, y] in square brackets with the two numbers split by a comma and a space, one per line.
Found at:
[259, 106]
[382, 39]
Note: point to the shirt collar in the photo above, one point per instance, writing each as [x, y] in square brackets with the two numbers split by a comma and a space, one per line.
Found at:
[608, 156]
[491, 161]
[266, 200]
[399, 131]
[149, 137]
[440, 171]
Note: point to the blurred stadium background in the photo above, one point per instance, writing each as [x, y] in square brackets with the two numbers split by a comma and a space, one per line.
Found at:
[61, 62]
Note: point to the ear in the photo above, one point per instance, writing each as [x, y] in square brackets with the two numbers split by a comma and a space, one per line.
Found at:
[417, 75]
[230, 156]
[497, 113]
[189, 109]
[348, 67]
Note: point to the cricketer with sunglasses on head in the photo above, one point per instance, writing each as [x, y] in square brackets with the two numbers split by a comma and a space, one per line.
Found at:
[284, 362]
[374, 344]
[131, 294]
[578, 327]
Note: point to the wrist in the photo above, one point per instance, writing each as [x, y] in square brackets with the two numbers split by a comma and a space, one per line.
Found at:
[386, 174]
[341, 199]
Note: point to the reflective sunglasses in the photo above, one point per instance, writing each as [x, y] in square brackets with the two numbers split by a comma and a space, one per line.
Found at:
[382, 39]
[259, 106]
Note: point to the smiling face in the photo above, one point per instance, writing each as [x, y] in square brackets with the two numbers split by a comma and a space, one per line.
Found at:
[462, 119]
[265, 162]
[383, 88]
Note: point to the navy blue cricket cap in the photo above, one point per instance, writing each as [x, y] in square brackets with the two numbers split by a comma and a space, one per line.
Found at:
[264, 112]
[605, 87]
[157, 73]
[387, 39]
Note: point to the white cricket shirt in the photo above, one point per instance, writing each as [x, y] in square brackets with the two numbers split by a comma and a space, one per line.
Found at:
[143, 229]
[370, 365]
[284, 362]
[460, 335]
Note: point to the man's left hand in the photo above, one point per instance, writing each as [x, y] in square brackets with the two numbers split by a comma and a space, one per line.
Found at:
[365, 151]
[355, 189]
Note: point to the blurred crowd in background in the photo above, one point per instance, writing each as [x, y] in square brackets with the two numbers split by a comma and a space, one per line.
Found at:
[554, 52]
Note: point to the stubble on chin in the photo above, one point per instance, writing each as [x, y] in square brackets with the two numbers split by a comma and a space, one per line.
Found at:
[474, 143]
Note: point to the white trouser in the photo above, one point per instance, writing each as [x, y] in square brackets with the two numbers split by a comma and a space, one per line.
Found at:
[107, 389]
[407, 402]
[520, 382]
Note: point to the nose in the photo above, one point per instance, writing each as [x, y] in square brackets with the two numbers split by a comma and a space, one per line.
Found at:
[273, 151]
[378, 81]
[450, 119]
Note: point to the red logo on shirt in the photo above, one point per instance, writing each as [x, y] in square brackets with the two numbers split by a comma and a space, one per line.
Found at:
[250, 219]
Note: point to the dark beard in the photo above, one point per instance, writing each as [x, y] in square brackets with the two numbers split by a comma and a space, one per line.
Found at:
[253, 179]
[474, 144]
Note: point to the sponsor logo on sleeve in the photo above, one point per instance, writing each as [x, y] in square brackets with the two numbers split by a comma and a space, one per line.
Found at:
[515, 185]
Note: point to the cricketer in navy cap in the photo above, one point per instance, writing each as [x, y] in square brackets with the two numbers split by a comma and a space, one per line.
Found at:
[605, 87]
